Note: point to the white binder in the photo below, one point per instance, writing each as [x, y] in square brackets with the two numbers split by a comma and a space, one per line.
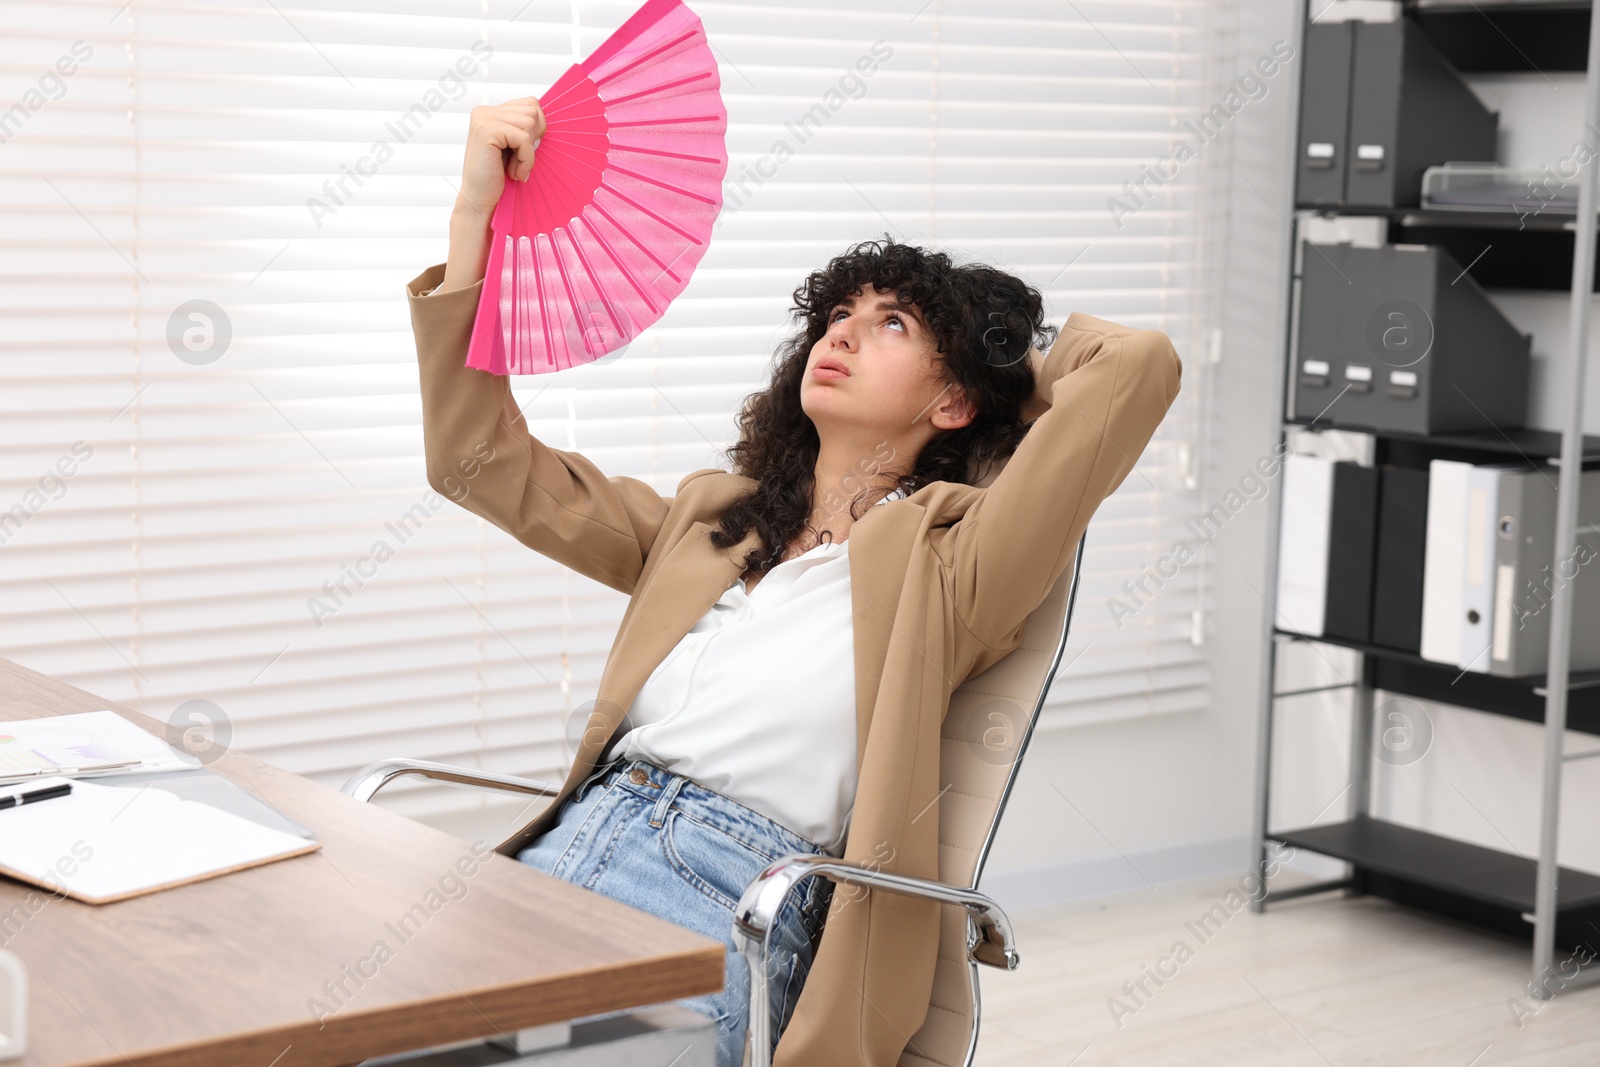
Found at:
[1303, 544]
[1444, 561]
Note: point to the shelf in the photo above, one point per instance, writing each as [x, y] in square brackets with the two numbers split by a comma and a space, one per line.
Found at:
[1494, 249]
[1534, 444]
[1498, 256]
[1479, 885]
[1500, 250]
[1408, 674]
[1550, 220]
[1508, 37]
[1497, 250]
[1484, 874]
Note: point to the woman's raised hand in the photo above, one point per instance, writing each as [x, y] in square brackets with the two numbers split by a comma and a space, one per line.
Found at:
[500, 140]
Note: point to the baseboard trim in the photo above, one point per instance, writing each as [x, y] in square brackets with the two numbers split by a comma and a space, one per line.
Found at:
[1080, 878]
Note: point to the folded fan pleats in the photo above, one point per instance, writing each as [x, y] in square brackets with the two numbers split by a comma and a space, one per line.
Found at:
[618, 208]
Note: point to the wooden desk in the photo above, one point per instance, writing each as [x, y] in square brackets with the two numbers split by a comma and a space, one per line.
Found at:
[224, 971]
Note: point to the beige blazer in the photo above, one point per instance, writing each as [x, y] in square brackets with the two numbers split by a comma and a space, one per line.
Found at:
[942, 583]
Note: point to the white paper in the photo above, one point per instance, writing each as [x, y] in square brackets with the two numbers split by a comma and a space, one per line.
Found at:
[104, 842]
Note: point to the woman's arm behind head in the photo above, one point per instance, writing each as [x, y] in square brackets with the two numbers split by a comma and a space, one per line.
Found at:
[1110, 386]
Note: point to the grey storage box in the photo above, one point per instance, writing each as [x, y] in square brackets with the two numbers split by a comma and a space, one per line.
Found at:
[1379, 105]
[1400, 339]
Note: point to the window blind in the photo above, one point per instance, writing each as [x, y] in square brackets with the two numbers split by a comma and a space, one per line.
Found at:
[212, 503]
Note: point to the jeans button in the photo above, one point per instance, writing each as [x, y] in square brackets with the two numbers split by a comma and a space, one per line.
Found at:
[639, 776]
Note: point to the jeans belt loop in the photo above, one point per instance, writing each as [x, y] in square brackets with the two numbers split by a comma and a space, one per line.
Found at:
[593, 778]
[658, 814]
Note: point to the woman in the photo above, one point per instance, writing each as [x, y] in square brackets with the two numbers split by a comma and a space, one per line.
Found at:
[749, 731]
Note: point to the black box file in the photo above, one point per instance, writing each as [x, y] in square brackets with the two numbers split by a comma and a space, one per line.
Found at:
[1399, 339]
[1352, 538]
[1379, 105]
[1397, 569]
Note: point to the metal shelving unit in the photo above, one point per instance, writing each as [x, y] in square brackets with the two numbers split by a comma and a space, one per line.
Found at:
[1487, 887]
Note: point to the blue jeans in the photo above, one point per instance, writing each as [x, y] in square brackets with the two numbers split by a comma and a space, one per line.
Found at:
[659, 842]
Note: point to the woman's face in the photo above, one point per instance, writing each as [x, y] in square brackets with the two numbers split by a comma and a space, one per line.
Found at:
[892, 392]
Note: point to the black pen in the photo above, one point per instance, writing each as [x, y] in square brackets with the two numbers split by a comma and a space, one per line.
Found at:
[38, 794]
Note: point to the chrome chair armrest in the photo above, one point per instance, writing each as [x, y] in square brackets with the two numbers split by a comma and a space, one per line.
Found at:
[992, 943]
[366, 782]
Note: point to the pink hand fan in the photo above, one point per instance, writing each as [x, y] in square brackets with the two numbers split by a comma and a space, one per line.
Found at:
[619, 204]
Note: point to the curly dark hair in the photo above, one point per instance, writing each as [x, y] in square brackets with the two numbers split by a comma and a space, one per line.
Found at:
[983, 320]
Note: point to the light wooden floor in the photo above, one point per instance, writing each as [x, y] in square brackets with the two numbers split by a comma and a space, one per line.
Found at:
[1317, 981]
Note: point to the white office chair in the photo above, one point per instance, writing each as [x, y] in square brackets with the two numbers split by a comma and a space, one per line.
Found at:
[979, 763]
[978, 775]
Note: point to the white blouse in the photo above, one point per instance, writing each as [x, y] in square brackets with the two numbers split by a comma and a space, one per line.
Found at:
[757, 701]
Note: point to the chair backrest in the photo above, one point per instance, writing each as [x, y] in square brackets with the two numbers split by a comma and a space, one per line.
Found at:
[985, 735]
